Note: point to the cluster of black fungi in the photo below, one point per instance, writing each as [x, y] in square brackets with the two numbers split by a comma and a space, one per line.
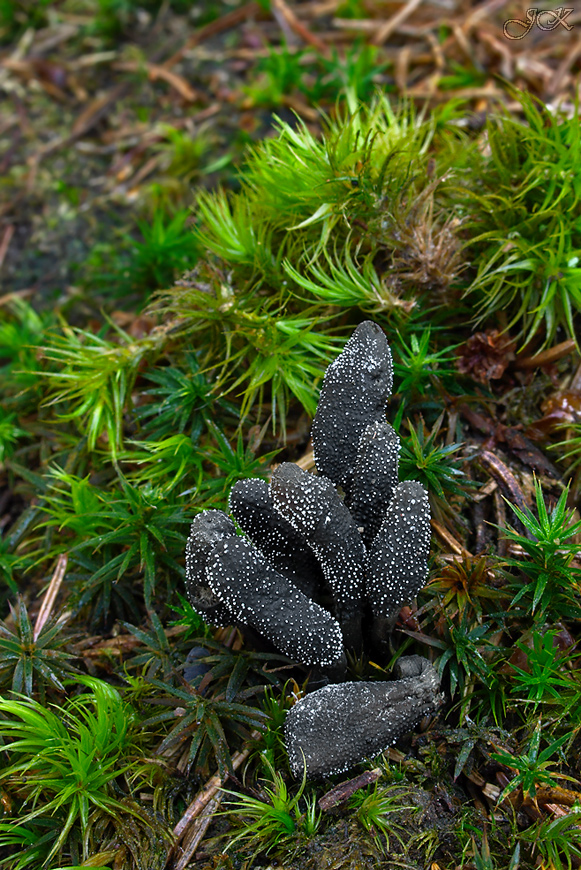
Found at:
[325, 564]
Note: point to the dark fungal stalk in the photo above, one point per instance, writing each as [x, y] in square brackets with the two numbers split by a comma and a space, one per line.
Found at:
[327, 564]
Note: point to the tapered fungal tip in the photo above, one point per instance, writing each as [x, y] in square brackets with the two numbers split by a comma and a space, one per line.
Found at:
[207, 529]
[354, 394]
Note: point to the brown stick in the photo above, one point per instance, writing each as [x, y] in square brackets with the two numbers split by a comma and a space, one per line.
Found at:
[552, 354]
[506, 480]
[231, 19]
[345, 790]
[4, 245]
[208, 792]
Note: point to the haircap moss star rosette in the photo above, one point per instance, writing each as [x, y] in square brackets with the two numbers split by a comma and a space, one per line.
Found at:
[326, 563]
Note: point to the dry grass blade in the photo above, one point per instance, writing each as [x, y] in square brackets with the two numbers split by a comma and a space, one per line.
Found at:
[307, 462]
[448, 539]
[483, 11]
[195, 834]
[157, 71]
[564, 69]
[391, 26]
[297, 27]
[51, 594]
[225, 22]
[4, 244]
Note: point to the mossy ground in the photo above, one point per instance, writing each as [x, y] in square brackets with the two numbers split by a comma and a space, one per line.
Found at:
[160, 339]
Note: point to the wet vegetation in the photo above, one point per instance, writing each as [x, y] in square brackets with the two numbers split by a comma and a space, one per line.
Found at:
[176, 281]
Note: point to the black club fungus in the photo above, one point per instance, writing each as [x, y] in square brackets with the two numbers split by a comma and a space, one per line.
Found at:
[328, 562]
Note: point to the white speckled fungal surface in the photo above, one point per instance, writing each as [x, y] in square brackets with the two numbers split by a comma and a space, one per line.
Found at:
[337, 726]
[260, 597]
[353, 395]
[397, 562]
[313, 507]
[374, 478]
[252, 507]
[207, 529]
